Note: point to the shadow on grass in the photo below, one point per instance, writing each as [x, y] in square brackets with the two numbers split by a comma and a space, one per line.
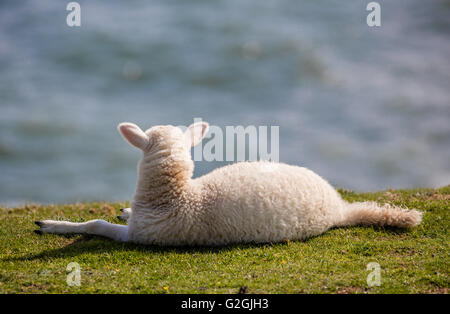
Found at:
[97, 245]
[388, 230]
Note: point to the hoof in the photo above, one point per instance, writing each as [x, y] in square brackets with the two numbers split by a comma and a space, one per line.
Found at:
[38, 223]
[38, 232]
[118, 217]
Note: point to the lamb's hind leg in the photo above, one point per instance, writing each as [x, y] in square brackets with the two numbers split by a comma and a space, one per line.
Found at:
[95, 227]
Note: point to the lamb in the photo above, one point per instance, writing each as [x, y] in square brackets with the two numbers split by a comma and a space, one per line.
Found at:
[257, 202]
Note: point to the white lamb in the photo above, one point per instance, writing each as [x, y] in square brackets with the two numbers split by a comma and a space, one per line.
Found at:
[243, 202]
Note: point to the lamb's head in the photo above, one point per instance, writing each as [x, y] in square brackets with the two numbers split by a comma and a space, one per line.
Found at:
[166, 148]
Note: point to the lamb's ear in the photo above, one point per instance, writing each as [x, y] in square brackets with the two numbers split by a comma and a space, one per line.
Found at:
[195, 132]
[133, 134]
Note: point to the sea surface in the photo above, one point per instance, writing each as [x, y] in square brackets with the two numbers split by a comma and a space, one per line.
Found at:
[366, 108]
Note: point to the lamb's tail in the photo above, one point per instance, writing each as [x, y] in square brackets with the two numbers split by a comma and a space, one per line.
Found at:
[370, 213]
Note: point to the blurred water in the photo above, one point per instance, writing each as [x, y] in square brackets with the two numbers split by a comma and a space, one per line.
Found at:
[367, 108]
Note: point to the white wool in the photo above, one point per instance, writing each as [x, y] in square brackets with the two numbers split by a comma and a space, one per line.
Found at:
[242, 202]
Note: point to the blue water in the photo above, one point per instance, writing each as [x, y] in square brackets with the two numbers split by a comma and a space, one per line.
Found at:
[366, 108]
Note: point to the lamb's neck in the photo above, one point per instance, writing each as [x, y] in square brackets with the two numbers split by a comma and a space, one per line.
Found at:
[162, 188]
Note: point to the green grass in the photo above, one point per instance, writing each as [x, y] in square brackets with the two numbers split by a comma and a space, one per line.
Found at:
[413, 261]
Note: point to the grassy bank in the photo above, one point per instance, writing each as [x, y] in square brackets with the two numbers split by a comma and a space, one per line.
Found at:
[411, 261]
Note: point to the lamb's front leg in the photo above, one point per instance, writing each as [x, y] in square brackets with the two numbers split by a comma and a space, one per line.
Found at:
[95, 227]
[126, 213]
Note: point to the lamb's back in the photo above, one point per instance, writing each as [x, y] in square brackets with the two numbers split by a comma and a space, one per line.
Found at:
[266, 201]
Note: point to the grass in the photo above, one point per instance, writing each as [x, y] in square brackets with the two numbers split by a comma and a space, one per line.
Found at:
[413, 261]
